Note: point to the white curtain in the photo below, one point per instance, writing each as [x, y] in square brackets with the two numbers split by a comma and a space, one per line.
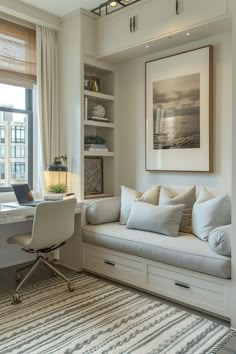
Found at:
[47, 78]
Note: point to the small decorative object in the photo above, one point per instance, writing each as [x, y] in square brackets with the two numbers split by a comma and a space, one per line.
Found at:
[95, 84]
[58, 188]
[98, 111]
[94, 139]
[87, 82]
[179, 112]
[93, 175]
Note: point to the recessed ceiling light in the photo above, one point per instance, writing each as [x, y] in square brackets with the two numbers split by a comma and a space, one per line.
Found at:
[147, 46]
[113, 3]
[187, 34]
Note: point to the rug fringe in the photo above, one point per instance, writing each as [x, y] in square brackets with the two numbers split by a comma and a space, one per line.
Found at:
[225, 340]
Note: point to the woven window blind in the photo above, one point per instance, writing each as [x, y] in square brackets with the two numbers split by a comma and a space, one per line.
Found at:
[17, 54]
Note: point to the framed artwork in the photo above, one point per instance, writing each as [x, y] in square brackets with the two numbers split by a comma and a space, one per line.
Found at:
[95, 84]
[93, 175]
[87, 82]
[179, 112]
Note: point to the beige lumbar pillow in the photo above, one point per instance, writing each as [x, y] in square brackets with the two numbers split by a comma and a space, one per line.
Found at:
[151, 196]
[128, 195]
[161, 219]
[187, 197]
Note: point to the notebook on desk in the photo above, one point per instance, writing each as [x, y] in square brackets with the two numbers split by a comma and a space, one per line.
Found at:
[24, 195]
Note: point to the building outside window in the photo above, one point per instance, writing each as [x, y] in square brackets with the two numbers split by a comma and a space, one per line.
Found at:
[2, 134]
[18, 134]
[2, 170]
[18, 170]
[17, 151]
[2, 151]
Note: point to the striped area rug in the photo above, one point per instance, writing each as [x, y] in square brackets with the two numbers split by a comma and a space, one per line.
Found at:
[99, 317]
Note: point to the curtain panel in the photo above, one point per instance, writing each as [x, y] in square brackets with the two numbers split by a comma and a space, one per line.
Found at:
[47, 79]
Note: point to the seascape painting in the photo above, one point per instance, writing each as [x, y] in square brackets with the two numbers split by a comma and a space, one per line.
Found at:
[176, 113]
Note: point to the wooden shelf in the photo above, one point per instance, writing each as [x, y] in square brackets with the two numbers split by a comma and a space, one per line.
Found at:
[99, 153]
[99, 95]
[94, 123]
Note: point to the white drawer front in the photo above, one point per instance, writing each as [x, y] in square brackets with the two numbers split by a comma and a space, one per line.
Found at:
[114, 266]
[194, 291]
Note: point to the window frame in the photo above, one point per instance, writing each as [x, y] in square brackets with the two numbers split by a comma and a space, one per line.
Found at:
[29, 112]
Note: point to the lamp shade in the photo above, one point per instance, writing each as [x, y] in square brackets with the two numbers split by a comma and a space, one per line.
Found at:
[56, 174]
[57, 166]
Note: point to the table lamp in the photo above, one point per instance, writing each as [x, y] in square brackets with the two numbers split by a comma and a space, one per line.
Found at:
[56, 180]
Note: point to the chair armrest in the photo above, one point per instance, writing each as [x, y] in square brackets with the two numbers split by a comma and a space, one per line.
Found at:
[103, 211]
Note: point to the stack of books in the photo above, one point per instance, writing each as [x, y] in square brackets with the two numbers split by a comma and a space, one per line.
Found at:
[99, 119]
[96, 147]
[58, 196]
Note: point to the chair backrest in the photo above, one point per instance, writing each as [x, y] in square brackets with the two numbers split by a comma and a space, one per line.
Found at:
[53, 223]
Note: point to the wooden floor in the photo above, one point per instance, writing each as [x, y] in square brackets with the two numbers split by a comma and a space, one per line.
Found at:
[8, 283]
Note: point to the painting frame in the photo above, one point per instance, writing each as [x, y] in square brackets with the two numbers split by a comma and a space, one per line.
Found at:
[179, 91]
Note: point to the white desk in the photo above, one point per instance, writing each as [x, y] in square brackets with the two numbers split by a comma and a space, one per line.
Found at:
[71, 253]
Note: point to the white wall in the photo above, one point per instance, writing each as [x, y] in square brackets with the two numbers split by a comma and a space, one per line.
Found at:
[70, 97]
[132, 121]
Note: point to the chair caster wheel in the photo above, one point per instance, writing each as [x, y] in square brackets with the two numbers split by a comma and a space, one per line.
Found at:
[19, 276]
[16, 299]
[71, 287]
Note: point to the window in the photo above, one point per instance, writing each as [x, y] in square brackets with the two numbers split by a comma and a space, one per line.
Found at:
[17, 151]
[2, 134]
[2, 171]
[2, 151]
[18, 134]
[17, 77]
[17, 170]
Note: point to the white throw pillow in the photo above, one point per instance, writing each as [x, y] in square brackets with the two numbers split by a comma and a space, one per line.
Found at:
[163, 219]
[209, 212]
[187, 197]
[128, 195]
[219, 240]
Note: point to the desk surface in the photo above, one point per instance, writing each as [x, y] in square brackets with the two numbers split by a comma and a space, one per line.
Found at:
[11, 212]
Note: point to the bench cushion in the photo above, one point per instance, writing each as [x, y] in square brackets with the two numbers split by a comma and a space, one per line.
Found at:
[185, 251]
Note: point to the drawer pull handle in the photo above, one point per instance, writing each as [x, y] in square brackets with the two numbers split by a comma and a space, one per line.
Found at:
[110, 263]
[177, 10]
[183, 285]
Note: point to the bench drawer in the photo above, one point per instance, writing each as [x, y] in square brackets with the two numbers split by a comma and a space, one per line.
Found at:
[110, 264]
[209, 295]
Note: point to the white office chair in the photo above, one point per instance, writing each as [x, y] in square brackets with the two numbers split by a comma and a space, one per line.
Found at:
[53, 225]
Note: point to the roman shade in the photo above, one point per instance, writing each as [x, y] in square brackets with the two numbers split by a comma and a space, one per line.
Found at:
[17, 54]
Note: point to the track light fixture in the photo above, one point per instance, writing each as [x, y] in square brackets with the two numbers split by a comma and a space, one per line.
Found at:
[111, 6]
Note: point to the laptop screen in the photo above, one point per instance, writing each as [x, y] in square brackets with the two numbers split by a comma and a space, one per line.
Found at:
[23, 193]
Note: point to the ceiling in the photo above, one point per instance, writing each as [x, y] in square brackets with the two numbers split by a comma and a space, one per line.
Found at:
[61, 8]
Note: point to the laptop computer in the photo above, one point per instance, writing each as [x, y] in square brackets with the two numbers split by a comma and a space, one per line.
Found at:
[24, 195]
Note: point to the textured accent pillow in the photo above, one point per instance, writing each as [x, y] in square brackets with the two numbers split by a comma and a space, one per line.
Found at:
[187, 197]
[151, 196]
[209, 212]
[128, 195]
[163, 219]
[219, 240]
